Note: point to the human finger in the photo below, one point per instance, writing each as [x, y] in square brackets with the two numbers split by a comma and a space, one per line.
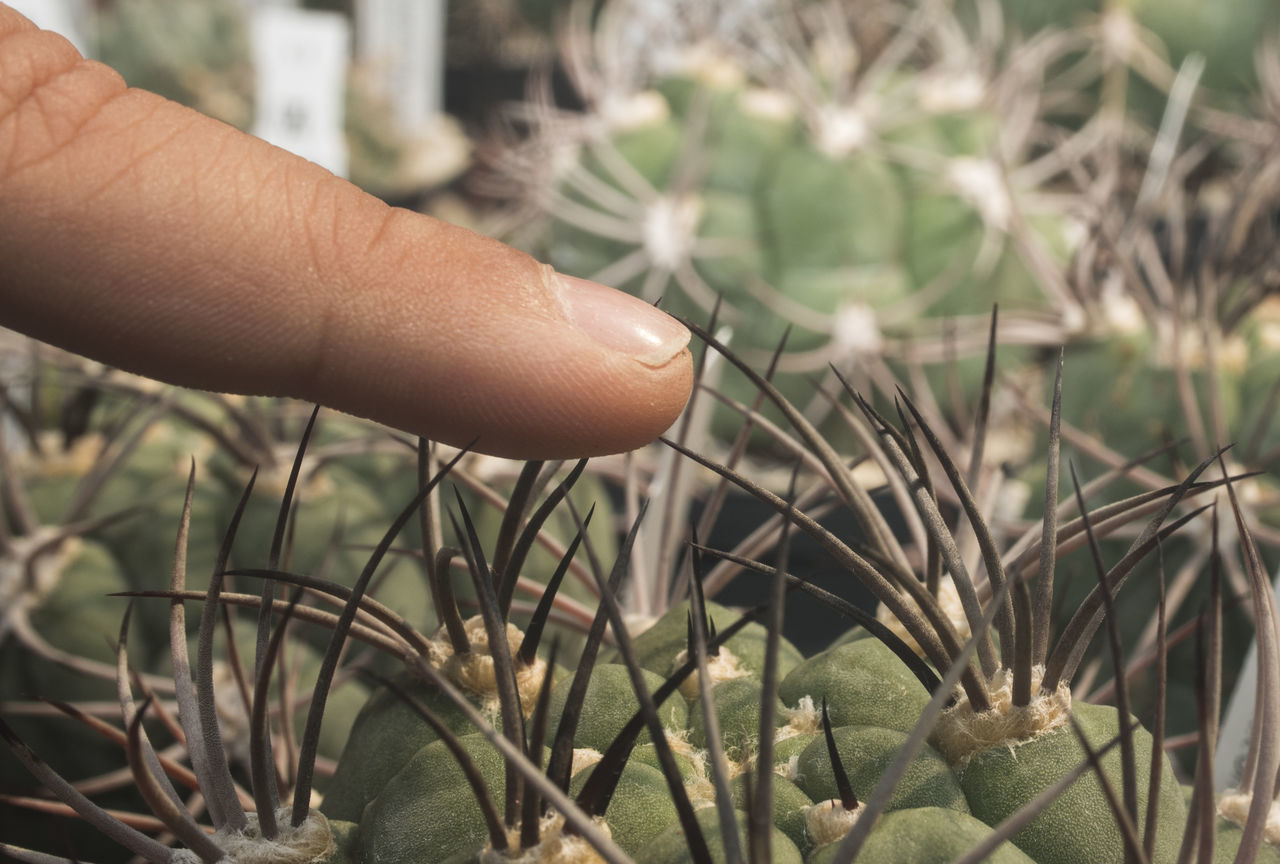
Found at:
[153, 238]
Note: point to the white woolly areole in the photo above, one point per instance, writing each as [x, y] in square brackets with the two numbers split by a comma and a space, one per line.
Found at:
[474, 670]
[1121, 313]
[804, 719]
[1120, 37]
[554, 846]
[678, 741]
[1234, 807]
[436, 153]
[1189, 346]
[828, 821]
[670, 228]
[981, 183]
[310, 842]
[839, 130]
[952, 610]
[1266, 317]
[273, 478]
[697, 784]
[584, 757]
[856, 330]
[962, 733]
[789, 770]
[723, 666]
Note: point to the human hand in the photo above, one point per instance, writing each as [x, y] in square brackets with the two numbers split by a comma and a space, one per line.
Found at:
[152, 238]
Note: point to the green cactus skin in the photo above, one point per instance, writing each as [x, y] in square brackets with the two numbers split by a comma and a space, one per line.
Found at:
[658, 646]
[641, 808]
[1227, 33]
[426, 811]
[690, 768]
[609, 703]
[670, 847]
[737, 704]
[923, 835]
[346, 839]
[78, 577]
[866, 752]
[789, 806]
[999, 780]
[1226, 843]
[863, 683]
[385, 734]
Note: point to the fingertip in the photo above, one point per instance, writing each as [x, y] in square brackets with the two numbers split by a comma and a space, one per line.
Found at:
[620, 321]
[499, 358]
[171, 245]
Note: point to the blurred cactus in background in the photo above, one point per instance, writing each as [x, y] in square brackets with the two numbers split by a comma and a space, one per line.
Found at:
[198, 52]
[192, 51]
[855, 176]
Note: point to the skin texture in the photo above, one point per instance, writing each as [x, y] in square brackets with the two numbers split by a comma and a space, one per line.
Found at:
[152, 238]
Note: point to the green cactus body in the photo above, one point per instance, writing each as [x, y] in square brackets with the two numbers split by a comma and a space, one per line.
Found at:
[327, 498]
[863, 683]
[866, 752]
[387, 731]
[747, 130]
[78, 577]
[1226, 843]
[812, 201]
[923, 835]
[68, 611]
[1001, 779]
[641, 808]
[345, 701]
[661, 647]
[688, 763]
[404, 823]
[671, 847]
[385, 734]
[817, 211]
[790, 804]
[346, 841]
[609, 703]
[737, 704]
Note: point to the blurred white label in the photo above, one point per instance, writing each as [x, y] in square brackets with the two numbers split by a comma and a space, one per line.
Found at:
[403, 42]
[70, 18]
[301, 59]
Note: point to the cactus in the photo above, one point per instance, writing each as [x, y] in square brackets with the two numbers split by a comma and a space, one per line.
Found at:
[848, 179]
[600, 698]
[1173, 286]
[199, 53]
[706, 736]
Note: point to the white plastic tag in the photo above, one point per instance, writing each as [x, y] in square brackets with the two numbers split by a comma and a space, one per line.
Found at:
[301, 58]
[402, 41]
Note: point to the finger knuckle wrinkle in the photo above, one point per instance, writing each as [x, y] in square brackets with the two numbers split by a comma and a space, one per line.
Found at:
[48, 92]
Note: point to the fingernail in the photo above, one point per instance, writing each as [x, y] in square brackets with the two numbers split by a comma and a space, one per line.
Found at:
[621, 322]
